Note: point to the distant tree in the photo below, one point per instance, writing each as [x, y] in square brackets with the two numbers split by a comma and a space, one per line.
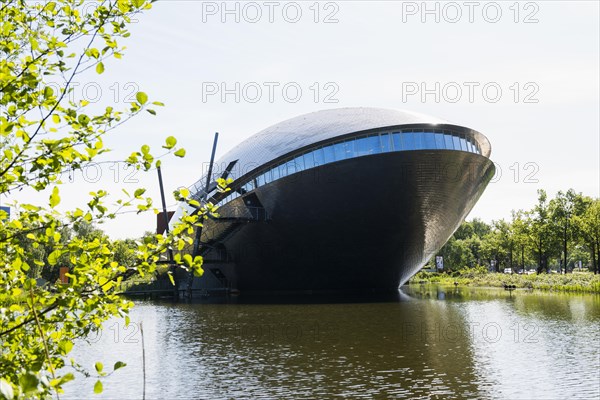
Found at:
[521, 228]
[564, 209]
[589, 227]
[542, 234]
[480, 228]
[457, 255]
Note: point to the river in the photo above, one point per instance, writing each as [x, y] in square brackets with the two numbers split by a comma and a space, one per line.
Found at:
[426, 342]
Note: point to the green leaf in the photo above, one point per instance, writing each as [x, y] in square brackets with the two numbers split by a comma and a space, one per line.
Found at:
[198, 271]
[151, 111]
[99, 367]
[67, 378]
[100, 67]
[48, 92]
[180, 153]
[171, 278]
[141, 97]
[28, 382]
[83, 119]
[170, 142]
[66, 345]
[54, 197]
[119, 364]
[98, 387]
[6, 390]
[53, 257]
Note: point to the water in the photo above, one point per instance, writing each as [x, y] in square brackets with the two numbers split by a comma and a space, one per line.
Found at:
[427, 342]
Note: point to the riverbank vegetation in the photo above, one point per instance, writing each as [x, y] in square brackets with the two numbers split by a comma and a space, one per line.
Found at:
[581, 282]
[560, 234]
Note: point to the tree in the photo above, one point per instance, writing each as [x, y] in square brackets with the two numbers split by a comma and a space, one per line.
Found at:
[541, 231]
[563, 208]
[521, 231]
[497, 245]
[589, 226]
[456, 255]
[43, 133]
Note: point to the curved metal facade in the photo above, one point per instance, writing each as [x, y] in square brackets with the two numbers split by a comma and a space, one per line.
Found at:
[312, 129]
[368, 222]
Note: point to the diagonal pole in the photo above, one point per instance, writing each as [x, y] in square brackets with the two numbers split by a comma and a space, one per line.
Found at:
[196, 250]
[170, 251]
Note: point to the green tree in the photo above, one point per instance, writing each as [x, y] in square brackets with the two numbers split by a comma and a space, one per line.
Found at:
[457, 255]
[589, 227]
[497, 246]
[43, 133]
[521, 228]
[564, 208]
[541, 231]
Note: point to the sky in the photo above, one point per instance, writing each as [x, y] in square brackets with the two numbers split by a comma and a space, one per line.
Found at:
[525, 74]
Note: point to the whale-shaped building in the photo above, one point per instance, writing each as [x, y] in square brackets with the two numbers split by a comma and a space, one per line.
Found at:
[347, 199]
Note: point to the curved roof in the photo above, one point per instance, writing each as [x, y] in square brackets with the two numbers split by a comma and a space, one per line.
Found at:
[304, 130]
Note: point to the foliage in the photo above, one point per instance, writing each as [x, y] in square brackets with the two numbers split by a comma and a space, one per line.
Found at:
[556, 232]
[585, 282]
[43, 133]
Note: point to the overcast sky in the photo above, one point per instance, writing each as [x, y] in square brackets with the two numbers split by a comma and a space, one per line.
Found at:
[525, 75]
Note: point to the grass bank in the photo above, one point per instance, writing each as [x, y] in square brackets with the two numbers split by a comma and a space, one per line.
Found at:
[583, 282]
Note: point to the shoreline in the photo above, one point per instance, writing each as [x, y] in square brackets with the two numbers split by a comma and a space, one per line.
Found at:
[575, 282]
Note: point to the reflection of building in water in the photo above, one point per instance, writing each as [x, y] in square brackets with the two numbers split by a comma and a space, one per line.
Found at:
[345, 199]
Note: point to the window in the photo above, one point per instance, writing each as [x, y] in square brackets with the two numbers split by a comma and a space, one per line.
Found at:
[397, 141]
[373, 144]
[429, 140]
[470, 146]
[309, 160]
[319, 157]
[456, 141]
[362, 147]
[385, 142]
[439, 141]
[282, 170]
[260, 180]
[329, 154]
[349, 149]
[290, 167]
[408, 141]
[463, 144]
[267, 176]
[275, 173]
[340, 153]
[448, 142]
[298, 163]
[419, 140]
